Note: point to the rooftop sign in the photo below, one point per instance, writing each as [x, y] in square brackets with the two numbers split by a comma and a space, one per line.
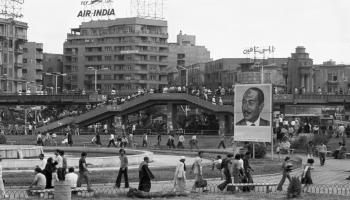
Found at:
[96, 8]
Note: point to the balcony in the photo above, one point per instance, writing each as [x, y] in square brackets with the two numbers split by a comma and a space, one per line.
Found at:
[39, 56]
[332, 82]
[18, 65]
[39, 67]
[21, 36]
[19, 50]
[39, 77]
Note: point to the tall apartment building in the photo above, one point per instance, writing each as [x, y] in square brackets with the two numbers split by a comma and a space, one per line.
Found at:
[33, 66]
[53, 64]
[13, 35]
[184, 53]
[125, 54]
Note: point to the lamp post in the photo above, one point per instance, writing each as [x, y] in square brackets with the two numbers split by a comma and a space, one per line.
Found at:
[95, 72]
[186, 70]
[56, 74]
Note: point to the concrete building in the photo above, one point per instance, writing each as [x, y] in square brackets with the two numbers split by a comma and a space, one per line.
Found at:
[53, 64]
[13, 35]
[33, 66]
[196, 74]
[332, 78]
[124, 54]
[222, 72]
[300, 71]
[184, 53]
[250, 73]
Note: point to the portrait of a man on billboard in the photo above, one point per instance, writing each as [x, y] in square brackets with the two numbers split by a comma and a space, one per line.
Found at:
[252, 112]
[252, 105]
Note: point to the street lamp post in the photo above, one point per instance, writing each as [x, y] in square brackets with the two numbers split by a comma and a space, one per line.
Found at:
[56, 74]
[95, 72]
[186, 70]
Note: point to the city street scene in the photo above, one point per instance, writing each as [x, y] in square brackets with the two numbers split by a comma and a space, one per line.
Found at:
[174, 99]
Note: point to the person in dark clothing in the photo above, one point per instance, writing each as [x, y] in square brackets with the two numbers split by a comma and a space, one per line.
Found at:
[48, 172]
[247, 171]
[286, 167]
[226, 166]
[123, 169]
[145, 176]
[98, 139]
[159, 139]
[70, 138]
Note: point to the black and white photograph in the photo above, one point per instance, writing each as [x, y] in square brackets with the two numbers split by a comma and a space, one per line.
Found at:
[174, 99]
[253, 109]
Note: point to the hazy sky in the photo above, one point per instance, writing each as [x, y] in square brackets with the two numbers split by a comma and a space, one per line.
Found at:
[225, 27]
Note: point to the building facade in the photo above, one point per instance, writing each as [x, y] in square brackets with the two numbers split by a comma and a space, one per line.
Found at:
[250, 73]
[332, 78]
[222, 72]
[33, 66]
[53, 64]
[196, 74]
[300, 71]
[185, 53]
[13, 35]
[124, 54]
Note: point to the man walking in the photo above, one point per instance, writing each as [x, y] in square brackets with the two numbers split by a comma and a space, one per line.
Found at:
[144, 140]
[123, 169]
[83, 172]
[286, 166]
[222, 141]
[323, 152]
[111, 140]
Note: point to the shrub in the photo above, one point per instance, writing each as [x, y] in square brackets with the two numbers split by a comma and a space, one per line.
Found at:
[319, 139]
[300, 143]
[294, 188]
[260, 149]
[2, 139]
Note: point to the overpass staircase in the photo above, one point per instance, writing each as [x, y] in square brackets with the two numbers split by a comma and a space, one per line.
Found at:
[103, 112]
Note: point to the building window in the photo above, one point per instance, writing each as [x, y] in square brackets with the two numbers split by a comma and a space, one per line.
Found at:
[25, 60]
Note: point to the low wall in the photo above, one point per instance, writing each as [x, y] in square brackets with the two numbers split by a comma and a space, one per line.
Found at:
[108, 161]
[18, 152]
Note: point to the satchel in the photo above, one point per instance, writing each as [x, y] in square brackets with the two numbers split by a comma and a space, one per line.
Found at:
[231, 188]
[201, 183]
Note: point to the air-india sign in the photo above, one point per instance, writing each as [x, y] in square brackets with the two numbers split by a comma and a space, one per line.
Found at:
[106, 10]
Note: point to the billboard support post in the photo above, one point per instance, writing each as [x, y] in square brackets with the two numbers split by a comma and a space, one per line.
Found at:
[253, 150]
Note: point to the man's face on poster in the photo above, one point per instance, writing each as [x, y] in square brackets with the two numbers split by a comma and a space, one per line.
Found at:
[251, 105]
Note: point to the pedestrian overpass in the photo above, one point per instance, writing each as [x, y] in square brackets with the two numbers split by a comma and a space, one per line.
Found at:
[224, 113]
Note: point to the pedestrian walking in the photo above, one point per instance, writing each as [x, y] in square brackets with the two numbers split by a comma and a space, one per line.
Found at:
[145, 176]
[222, 141]
[111, 140]
[226, 167]
[98, 139]
[180, 176]
[144, 140]
[322, 153]
[197, 170]
[123, 170]
[310, 150]
[247, 171]
[70, 138]
[159, 140]
[181, 142]
[306, 176]
[286, 169]
[84, 172]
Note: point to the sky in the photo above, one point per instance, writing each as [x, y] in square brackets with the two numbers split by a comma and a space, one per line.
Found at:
[224, 27]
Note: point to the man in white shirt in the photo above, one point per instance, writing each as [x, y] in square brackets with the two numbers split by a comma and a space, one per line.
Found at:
[42, 163]
[71, 178]
[111, 140]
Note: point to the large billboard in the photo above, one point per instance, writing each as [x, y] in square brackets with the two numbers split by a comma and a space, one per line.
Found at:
[252, 112]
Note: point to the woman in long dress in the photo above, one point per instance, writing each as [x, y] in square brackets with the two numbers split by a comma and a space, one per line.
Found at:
[145, 176]
[180, 176]
[306, 177]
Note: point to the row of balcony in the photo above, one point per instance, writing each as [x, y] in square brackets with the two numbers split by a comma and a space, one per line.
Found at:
[120, 43]
[119, 34]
